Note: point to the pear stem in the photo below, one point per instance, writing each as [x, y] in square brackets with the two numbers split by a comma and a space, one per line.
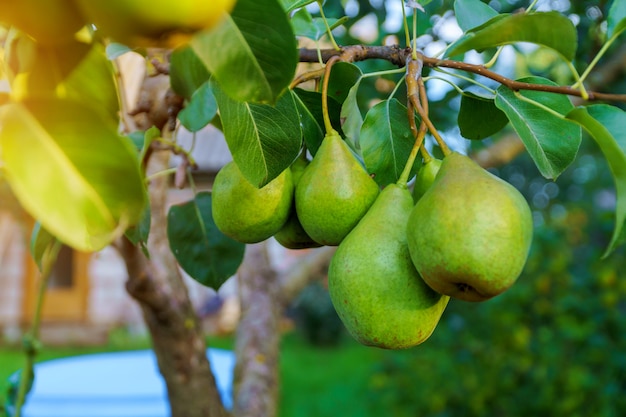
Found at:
[419, 144]
[433, 130]
[415, 87]
[416, 91]
[426, 156]
[327, 124]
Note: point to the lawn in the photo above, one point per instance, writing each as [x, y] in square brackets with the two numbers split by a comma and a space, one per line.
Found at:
[325, 381]
[315, 381]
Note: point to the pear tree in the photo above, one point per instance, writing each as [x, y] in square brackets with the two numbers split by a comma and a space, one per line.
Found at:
[337, 143]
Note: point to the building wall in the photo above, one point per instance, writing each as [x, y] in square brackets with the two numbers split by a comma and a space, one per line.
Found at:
[110, 304]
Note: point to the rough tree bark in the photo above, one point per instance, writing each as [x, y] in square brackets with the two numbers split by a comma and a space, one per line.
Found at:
[157, 283]
[258, 336]
[177, 339]
[263, 296]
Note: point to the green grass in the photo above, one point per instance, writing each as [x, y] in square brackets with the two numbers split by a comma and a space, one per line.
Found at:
[320, 382]
[315, 381]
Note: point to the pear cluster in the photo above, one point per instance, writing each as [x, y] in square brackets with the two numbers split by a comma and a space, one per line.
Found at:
[462, 233]
[321, 201]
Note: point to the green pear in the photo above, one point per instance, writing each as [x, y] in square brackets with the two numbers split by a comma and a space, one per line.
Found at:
[334, 192]
[425, 177]
[246, 213]
[470, 233]
[292, 235]
[373, 284]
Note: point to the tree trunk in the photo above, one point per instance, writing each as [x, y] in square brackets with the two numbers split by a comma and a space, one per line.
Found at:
[162, 294]
[177, 340]
[258, 336]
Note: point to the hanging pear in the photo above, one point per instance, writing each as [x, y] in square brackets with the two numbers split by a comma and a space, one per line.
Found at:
[292, 235]
[373, 284]
[334, 192]
[470, 233]
[246, 213]
[425, 177]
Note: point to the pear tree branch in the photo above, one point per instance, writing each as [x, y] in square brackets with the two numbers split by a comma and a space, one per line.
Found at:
[398, 56]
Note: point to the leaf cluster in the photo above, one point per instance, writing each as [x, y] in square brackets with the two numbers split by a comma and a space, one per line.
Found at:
[243, 77]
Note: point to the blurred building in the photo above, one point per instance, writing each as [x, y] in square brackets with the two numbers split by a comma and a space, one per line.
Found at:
[86, 295]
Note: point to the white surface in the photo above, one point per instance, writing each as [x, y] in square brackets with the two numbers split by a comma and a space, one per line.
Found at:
[120, 384]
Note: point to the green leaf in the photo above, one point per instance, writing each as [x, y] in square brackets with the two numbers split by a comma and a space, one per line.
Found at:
[290, 5]
[352, 117]
[115, 50]
[143, 140]
[71, 170]
[41, 243]
[313, 28]
[472, 13]
[312, 119]
[137, 139]
[200, 110]
[263, 139]
[203, 252]
[616, 21]
[343, 76]
[605, 124]
[187, 72]
[550, 29]
[139, 233]
[479, 117]
[386, 141]
[149, 136]
[551, 141]
[253, 53]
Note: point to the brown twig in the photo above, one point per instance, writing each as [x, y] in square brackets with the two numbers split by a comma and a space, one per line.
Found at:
[398, 56]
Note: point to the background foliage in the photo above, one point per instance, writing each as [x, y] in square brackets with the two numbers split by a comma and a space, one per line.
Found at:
[554, 343]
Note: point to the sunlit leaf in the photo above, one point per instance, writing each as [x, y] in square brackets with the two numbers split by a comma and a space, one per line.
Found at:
[71, 71]
[472, 13]
[550, 29]
[253, 53]
[71, 170]
[551, 141]
[205, 253]
[479, 117]
[386, 141]
[606, 125]
[263, 139]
